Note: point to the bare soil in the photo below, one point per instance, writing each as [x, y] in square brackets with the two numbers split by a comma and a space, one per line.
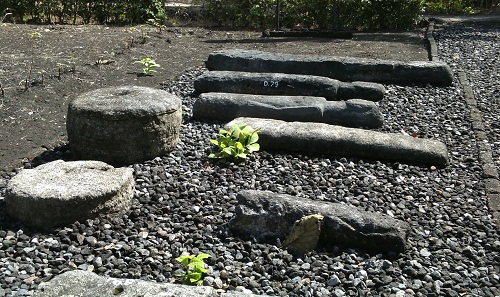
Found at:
[42, 68]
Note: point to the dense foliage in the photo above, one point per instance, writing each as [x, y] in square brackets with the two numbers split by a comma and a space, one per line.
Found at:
[323, 14]
[261, 14]
[80, 11]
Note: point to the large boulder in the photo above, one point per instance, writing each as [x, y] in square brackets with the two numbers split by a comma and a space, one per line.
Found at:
[228, 106]
[123, 125]
[87, 284]
[341, 68]
[286, 84]
[59, 193]
[336, 140]
[267, 216]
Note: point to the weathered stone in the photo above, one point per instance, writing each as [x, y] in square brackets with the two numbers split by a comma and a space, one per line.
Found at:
[329, 139]
[228, 106]
[286, 84]
[266, 216]
[341, 68]
[123, 125]
[87, 284]
[59, 193]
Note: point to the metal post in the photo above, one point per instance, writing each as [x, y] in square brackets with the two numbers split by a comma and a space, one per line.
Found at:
[278, 8]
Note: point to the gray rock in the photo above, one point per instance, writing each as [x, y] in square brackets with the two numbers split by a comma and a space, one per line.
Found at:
[88, 284]
[329, 139]
[228, 106]
[286, 84]
[341, 68]
[265, 215]
[59, 193]
[123, 125]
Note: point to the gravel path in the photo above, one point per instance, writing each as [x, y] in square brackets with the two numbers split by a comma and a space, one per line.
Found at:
[183, 203]
[475, 49]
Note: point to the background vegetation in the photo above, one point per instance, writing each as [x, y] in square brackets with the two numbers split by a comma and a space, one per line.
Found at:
[259, 14]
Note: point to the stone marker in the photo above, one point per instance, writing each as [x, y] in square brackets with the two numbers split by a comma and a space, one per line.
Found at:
[123, 125]
[341, 68]
[266, 216]
[329, 139]
[228, 106]
[59, 193]
[87, 284]
[286, 84]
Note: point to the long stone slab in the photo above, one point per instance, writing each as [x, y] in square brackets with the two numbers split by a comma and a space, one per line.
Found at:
[341, 68]
[228, 106]
[330, 139]
[87, 284]
[286, 84]
[266, 216]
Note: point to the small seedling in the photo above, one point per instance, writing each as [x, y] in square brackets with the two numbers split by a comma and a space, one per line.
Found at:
[195, 269]
[148, 64]
[236, 143]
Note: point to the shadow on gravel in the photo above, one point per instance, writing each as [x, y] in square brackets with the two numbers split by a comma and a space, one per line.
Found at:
[264, 40]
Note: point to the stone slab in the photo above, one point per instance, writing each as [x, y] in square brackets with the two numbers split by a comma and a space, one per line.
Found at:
[336, 140]
[341, 68]
[59, 193]
[266, 216]
[228, 106]
[87, 284]
[123, 125]
[286, 85]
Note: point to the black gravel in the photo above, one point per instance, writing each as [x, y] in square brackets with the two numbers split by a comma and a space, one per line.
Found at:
[474, 49]
[184, 201]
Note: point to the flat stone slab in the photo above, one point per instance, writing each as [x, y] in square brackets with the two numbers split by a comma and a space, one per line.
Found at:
[286, 85]
[87, 284]
[59, 193]
[228, 106]
[341, 68]
[336, 140]
[123, 125]
[266, 216]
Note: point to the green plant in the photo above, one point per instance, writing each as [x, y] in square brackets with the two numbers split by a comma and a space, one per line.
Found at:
[159, 16]
[195, 268]
[236, 143]
[148, 64]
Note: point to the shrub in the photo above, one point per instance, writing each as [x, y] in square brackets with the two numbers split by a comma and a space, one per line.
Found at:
[195, 269]
[321, 14]
[236, 143]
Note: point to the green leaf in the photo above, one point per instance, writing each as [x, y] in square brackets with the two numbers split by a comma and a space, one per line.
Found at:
[254, 147]
[253, 138]
[203, 256]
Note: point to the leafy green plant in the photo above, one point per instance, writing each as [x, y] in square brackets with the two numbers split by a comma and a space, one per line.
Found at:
[236, 143]
[148, 64]
[159, 16]
[195, 268]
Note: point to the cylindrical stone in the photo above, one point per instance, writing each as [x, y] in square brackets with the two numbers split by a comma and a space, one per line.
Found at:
[123, 125]
[59, 193]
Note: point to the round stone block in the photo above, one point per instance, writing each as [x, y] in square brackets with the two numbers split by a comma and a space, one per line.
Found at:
[123, 125]
[59, 193]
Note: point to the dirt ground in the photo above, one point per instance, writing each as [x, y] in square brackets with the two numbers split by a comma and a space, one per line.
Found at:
[42, 68]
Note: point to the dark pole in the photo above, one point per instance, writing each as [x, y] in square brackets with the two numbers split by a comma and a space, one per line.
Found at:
[278, 8]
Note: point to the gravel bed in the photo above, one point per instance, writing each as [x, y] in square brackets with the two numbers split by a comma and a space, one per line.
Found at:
[183, 202]
[474, 49]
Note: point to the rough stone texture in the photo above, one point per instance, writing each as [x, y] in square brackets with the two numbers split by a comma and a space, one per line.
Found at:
[228, 106]
[329, 139]
[265, 215]
[341, 68]
[286, 84]
[123, 125]
[59, 193]
[87, 284]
